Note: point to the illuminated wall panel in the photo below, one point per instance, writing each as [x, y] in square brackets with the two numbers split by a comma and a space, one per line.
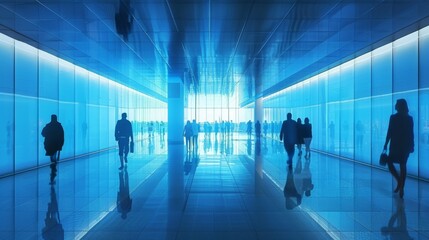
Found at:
[6, 104]
[350, 105]
[26, 90]
[36, 85]
[423, 111]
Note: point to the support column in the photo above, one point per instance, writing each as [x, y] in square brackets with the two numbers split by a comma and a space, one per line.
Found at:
[176, 111]
[175, 143]
[259, 108]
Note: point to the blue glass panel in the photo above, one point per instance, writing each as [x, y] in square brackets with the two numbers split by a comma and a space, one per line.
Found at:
[382, 70]
[7, 64]
[405, 63]
[26, 125]
[26, 132]
[346, 129]
[7, 128]
[67, 107]
[380, 112]
[363, 129]
[93, 114]
[423, 134]
[48, 95]
[81, 115]
[25, 70]
[6, 104]
[48, 76]
[362, 84]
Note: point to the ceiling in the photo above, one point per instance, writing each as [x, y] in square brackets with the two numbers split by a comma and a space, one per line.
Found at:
[215, 46]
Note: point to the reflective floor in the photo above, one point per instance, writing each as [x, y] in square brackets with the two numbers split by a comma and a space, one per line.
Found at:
[229, 188]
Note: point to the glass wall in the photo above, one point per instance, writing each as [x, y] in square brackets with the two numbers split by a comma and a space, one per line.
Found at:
[36, 84]
[350, 105]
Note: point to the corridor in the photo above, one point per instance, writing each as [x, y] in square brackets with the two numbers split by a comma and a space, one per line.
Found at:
[231, 187]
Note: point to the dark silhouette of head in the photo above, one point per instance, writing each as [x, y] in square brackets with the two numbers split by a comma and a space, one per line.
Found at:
[124, 115]
[289, 116]
[54, 118]
[306, 120]
[401, 106]
[299, 121]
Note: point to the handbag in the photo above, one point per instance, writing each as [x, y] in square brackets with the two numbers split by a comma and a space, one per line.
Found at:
[383, 158]
[131, 147]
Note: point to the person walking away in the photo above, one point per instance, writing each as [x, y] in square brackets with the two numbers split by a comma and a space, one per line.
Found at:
[300, 138]
[123, 133]
[195, 131]
[53, 133]
[289, 137]
[187, 132]
[249, 129]
[401, 137]
[307, 135]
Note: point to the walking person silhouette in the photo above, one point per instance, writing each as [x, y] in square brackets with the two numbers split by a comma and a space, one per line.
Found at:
[123, 133]
[401, 137]
[54, 138]
[288, 134]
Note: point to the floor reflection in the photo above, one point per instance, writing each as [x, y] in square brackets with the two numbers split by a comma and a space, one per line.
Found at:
[124, 201]
[53, 228]
[397, 225]
[292, 197]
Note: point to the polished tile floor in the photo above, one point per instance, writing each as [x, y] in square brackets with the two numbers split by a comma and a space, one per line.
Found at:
[229, 188]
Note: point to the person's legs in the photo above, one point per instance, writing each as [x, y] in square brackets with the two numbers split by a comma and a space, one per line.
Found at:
[188, 143]
[395, 174]
[290, 149]
[307, 142]
[121, 145]
[402, 177]
[126, 149]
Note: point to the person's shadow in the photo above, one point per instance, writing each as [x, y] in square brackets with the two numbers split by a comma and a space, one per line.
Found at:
[397, 226]
[187, 166]
[53, 228]
[307, 184]
[123, 201]
[249, 146]
[292, 197]
[53, 173]
[216, 145]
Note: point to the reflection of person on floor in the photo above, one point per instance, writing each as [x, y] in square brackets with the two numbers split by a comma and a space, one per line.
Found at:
[290, 191]
[187, 166]
[123, 201]
[249, 146]
[298, 177]
[53, 228]
[397, 226]
[53, 174]
[53, 133]
[307, 183]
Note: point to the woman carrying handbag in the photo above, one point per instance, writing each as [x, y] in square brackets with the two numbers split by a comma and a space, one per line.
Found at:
[401, 137]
